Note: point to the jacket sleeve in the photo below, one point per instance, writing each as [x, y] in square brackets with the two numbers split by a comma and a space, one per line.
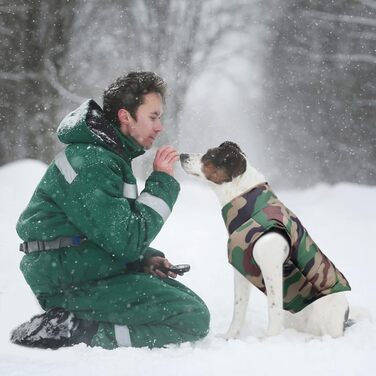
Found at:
[123, 227]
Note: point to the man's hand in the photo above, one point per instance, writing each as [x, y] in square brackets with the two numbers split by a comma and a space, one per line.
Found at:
[164, 159]
[155, 263]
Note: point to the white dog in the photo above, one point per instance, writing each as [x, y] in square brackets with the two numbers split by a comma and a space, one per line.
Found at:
[270, 248]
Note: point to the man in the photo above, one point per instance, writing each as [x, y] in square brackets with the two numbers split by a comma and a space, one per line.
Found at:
[87, 232]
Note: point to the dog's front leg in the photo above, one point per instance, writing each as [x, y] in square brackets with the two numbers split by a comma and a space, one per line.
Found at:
[270, 252]
[241, 298]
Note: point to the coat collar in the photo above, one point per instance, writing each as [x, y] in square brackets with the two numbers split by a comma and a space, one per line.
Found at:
[87, 124]
[245, 206]
[130, 148]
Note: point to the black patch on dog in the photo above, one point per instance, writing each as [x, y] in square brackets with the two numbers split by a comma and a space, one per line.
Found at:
[228, 157]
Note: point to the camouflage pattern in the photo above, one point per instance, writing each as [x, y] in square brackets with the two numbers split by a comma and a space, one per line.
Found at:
[307, 273]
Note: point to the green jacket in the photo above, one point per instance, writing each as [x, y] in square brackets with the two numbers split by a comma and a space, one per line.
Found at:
[90, 190]
[307, 273]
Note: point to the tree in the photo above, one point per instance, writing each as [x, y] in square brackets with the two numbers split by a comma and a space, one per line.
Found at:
[319, 108]
[35, 35]
[176, 39]
[63, 59]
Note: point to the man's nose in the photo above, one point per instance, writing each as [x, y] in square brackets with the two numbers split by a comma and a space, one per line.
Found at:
[158, 127]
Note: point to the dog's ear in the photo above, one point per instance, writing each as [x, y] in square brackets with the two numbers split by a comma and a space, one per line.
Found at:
[230, 144]
[236, 163]
[229, 158]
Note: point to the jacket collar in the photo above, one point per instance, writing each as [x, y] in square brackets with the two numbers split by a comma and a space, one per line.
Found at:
[130, 148]
[87, 124]
[245, 206]
[110, 135]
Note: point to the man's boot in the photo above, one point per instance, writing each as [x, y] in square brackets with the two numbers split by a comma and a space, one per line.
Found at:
[53, 329]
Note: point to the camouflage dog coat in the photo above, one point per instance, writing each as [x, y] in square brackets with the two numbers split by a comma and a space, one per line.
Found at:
[307, 273]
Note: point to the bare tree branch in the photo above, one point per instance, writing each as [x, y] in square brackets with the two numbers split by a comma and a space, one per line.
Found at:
[369, 3]
[11, 8]
[365, 102]
[19, 76]
[345, 58]
[53, 80]
[363, 35]
[325, 16]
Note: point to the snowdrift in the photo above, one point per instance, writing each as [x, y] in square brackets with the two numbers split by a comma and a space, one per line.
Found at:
[340, 218]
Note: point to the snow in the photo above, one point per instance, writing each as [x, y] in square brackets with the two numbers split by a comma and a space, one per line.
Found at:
[73, 117]
[340, 218]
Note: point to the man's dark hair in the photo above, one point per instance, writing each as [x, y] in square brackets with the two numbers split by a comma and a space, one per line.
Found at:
[128, 92]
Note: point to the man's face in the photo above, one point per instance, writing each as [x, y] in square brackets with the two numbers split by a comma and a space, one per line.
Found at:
[148, 125]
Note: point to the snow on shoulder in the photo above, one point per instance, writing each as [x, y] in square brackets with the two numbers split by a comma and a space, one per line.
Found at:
[74, 117]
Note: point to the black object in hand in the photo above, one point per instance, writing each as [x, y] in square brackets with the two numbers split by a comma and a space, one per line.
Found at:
[177, 269]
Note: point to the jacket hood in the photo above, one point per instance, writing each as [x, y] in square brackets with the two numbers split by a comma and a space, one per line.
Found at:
[88, 125]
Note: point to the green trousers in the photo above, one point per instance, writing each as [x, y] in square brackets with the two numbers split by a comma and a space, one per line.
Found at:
[156, 311]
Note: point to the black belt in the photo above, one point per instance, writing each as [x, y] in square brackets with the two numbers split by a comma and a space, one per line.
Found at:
[46, 245]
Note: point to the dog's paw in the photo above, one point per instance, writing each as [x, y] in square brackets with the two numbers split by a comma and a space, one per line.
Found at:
[274, 328]
[272, 332]
[233, 334]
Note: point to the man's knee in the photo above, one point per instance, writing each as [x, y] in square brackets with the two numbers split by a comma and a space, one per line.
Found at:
[201, 320]
[205, 321]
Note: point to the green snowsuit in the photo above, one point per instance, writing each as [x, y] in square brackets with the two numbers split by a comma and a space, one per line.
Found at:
[90, 190]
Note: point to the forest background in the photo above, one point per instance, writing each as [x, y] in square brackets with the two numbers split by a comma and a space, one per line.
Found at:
[293, 82]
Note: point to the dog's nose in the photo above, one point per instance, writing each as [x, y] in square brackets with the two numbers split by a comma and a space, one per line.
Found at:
[184, 157]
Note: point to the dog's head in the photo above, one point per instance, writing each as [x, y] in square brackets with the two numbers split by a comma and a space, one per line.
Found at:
[218, 165]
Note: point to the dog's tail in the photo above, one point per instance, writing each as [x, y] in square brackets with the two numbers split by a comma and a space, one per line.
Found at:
[356, 314]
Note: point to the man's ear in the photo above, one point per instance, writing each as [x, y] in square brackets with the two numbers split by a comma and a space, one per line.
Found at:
[124, 116]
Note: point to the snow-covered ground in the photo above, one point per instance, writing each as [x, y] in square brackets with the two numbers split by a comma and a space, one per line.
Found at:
[342, 220]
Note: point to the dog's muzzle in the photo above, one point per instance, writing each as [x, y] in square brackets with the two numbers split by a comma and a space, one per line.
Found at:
[184, 158]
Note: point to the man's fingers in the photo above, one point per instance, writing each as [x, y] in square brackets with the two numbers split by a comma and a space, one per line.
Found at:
[160, 264]
[164, 151]
[164, 159]
[172, 157]
[159, 273]
[167, 264]
[172, 275]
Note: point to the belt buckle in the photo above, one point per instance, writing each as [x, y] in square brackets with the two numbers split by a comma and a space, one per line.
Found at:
[23, 248]
[77, 240]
